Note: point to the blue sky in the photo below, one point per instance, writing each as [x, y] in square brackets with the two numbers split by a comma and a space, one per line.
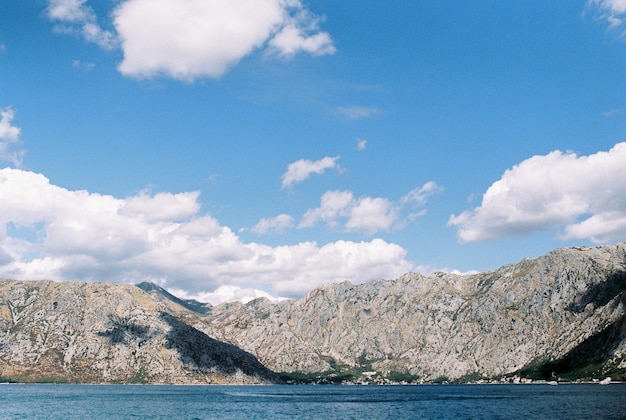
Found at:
[242, 148]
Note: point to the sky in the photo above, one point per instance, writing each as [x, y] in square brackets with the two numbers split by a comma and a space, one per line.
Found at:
[232, 149]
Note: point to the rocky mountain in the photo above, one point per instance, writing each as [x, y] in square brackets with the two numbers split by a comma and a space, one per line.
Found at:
[87, 332]
[164, 296]
[560, 316]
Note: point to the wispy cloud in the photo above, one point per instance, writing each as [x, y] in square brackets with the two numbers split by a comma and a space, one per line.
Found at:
[81, 65]
[361, 144]
[75, 17]
[278, 224]
[613, 11]
[585, 195]
[357, 112]
[420, 195]
[302, 169]
[613, 113]
[10, 138]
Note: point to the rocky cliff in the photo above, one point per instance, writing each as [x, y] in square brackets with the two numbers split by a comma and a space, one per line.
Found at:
[558, 316]
[562, 315]
[86, 332]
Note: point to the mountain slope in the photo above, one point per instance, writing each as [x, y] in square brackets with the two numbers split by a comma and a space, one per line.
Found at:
[560, 315]
[89, 332]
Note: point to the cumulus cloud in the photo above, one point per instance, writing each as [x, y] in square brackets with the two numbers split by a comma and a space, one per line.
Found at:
[371, 215]
[187, 39]
[586, 195]
[334, 206]
[162, 206]
[47, 231]
[361, 144]
[291, 40]
[10, 138]
[190, 39]
[368, 215]
[278, 224]
[302, 169]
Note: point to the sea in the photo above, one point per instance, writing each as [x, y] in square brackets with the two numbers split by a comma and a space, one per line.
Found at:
[497, 401]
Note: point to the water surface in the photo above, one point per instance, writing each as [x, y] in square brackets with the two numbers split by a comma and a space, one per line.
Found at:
[586, 401]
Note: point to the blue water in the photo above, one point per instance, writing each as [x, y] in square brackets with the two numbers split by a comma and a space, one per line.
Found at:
[589, 401]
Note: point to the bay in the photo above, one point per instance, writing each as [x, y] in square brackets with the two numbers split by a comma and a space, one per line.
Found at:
[50, 401]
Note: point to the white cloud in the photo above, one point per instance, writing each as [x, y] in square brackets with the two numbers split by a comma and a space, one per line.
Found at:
[77, 64]
[75, 17]
[162, 206]
[8, 132]
[338, 261]
[371, 215]
[612, 11]
[584, 194]
[427, 270]
[421, 194]
[69, 10]
[302, 169]
[367, 214]
[361, 144]
[225, 294]
[357, 112]
[334, 206]
[613, 113]
[278, 224]
[291, 40]
[188, 39]
[94, 237]
[10, 137]
[600, 228]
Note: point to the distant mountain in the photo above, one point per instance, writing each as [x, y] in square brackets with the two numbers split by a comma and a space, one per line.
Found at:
[560, 316]
[95, 333]
[161, 294]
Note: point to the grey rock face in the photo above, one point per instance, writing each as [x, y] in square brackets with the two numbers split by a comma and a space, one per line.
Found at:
[554, 314]
[86, 332]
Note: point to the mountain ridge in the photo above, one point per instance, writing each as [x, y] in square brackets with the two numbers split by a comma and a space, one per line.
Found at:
[561, 316]
[109, 333]
[501, 322]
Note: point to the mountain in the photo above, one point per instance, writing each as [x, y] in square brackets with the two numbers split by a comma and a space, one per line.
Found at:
[163, 295]
[102, 332]
[558, 316]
